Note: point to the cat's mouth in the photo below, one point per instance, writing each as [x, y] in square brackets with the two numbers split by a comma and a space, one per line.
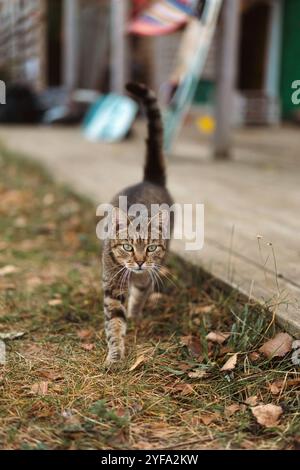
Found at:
[138, 270]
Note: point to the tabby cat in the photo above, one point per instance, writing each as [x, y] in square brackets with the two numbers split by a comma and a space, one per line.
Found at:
[131, 263]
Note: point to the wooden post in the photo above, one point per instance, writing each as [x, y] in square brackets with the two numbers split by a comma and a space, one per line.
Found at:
[71, 44]
[119, 62]
[226, 77]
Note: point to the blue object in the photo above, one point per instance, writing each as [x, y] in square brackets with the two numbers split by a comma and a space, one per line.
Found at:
[110, 118]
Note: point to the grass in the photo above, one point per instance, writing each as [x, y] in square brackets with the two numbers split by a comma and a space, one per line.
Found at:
[55, 393]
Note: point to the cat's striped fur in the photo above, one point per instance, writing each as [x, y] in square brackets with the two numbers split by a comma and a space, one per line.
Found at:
[128, 276]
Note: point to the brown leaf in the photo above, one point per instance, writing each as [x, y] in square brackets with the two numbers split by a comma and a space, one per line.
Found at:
[193, 344]
[247, 445]
[278, 346]
[88, 346]
[254, 356]
[209, 418]
[85, 334]
[200, 309]
[9, 269]
[33, 282]
[40, 388]
[267, 415]
[50, 375]
[140, 360]
[20, 222]
[48, 199]
[197, 374]
[3, 245]
[184, 367]
[231, 409]
[181, 389]
[277, 386]
[252, 401]
[230, 363]
[217, 337]
[54, 302]
[225, 350]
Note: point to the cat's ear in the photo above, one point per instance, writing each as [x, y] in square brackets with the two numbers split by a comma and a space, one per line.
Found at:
[119, 223]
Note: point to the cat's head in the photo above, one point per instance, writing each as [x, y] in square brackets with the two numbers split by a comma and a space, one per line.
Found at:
[135, 249]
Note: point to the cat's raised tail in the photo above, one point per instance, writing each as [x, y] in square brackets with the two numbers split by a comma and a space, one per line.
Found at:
[154, 170]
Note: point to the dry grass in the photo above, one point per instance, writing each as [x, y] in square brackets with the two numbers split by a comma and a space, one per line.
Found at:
[54, 391]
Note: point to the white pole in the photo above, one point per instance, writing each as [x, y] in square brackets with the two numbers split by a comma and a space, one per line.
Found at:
[226, 78]
[118, 60]
[71, 43]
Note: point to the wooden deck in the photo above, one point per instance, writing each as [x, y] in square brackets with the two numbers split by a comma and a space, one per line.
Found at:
[252, 217]
[252, 203]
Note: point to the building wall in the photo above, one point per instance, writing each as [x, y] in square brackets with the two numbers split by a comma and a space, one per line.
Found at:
[22, 40]
[290, 67]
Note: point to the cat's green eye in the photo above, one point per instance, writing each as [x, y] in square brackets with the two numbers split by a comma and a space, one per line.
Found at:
[151, 248]
[127, 247]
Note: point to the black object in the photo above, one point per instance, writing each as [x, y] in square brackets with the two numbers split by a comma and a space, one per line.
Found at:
[199, 8]
[22, 106]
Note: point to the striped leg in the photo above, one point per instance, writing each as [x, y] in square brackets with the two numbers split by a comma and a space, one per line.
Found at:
[137, 299]
[115, 325]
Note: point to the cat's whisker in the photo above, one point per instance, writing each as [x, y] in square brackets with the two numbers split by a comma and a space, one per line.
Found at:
[165, 274]
[118, 272]
[158, 279]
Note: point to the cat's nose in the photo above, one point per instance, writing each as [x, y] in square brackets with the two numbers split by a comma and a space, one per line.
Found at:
[140, 263]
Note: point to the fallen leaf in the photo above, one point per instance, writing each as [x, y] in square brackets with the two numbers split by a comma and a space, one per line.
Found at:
[230, 363]
[33, 282]
[277, 386]
[88, 346]
[254, 356]
[197, 374]
[267, 415]
[193, 344]
[278, 346]
[9, 269]
[252, 401]
[247, 445]
[7, 286]
[231, 409]
[200, 309]
[40, 388]
[20, 222]
[184, 367]
[50, 375]
[225, 350]
[48, 199]
[84, 334]
[217, 337]
[138, 362]
[54, 302]
[182, 389]
[12, 335]
[209, 418]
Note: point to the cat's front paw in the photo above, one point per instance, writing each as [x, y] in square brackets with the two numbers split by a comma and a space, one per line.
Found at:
[114, 362]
